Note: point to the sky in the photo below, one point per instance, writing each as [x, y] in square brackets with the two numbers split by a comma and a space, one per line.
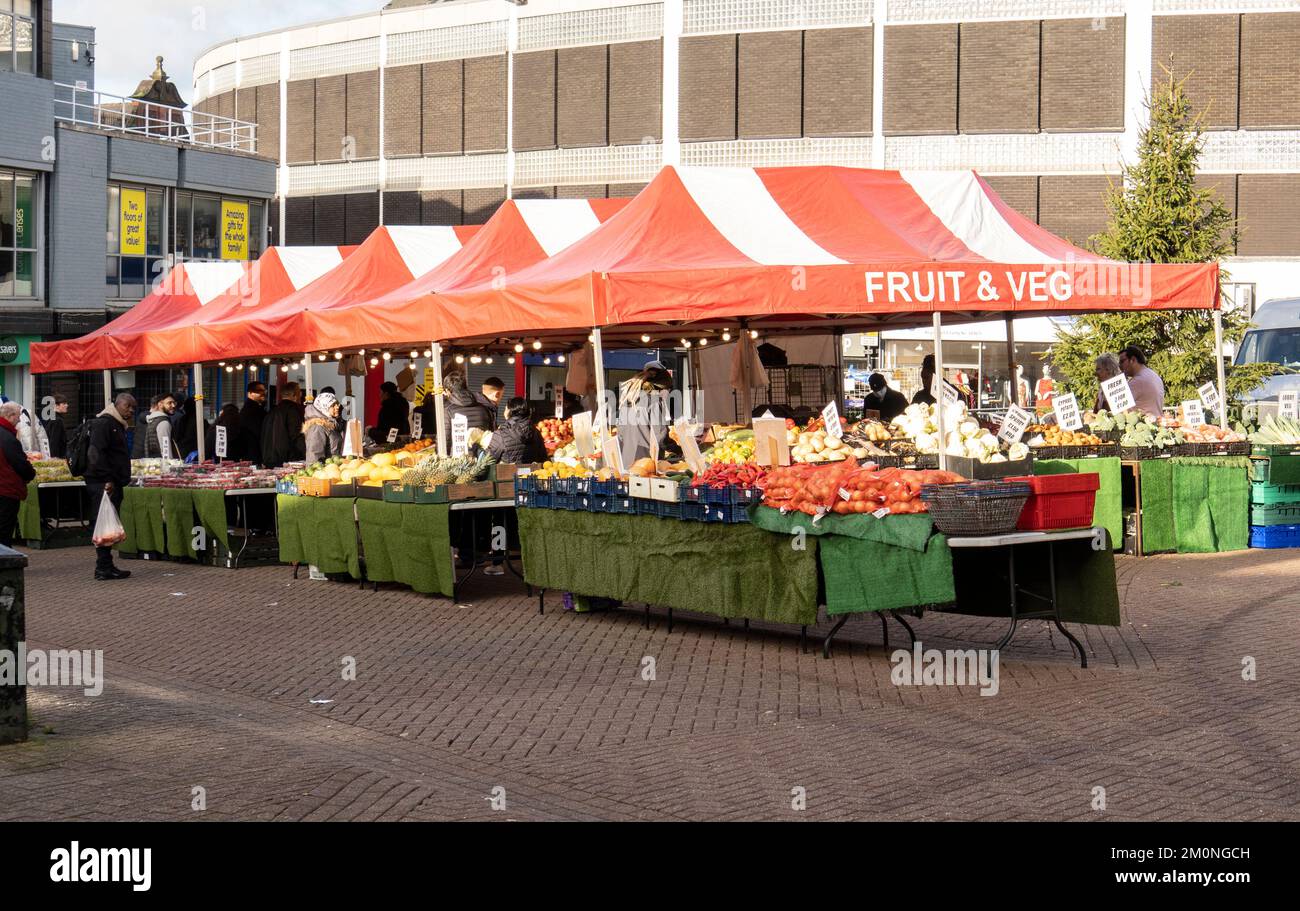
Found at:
[131, 33]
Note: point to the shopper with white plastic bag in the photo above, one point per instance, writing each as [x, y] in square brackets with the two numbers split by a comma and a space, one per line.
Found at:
[108, 472]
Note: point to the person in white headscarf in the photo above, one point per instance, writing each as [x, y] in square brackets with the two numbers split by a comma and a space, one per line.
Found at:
[320, 427]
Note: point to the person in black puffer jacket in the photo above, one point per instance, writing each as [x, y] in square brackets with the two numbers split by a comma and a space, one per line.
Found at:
[461, 401]
[516, 441]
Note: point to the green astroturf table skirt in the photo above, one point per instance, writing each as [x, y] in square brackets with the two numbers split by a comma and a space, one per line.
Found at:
[1108, 512]
[1195, 505]
[724, 570]
[871, 564]
[319, 531]
[408, 543]
[165, 520]
[29, 515]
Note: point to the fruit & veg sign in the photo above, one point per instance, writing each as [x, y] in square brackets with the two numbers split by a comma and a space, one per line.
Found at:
[1014, 424]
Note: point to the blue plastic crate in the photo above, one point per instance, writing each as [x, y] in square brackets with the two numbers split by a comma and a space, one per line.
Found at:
[693, 512]
[1275, 536]
[643, 507]
[543, 500]
[614, 488]
[731, 496]
[729, 514]
[565, 501]
[524, 484]
[581, 485]
[564, 486]
[668, 510]
[524, 499]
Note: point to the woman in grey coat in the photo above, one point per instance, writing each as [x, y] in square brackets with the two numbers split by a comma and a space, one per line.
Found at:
[321, 428]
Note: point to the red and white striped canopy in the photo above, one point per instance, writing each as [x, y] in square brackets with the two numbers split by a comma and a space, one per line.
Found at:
[796, 245]
[159, 329]
[521, 233]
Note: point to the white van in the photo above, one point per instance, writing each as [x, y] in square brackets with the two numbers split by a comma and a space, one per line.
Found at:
[1274, 337]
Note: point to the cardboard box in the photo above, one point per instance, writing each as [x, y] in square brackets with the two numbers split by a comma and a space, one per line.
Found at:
[478, 490]
[640, 488]
[665, 490]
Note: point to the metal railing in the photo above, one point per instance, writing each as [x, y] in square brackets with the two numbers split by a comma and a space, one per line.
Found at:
[133, 116]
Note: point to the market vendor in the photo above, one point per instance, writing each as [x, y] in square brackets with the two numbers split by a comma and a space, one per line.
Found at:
[460, 401]
[516, 441]
[251, 418]
[489, 396]
[884, 398]
[1104, 368]
[394, 414]
[1146, 385]
[282, 437]
[320, 428]
[155, 439]
[230, 418]
[643, 413]
[923, 395]
[56, 430]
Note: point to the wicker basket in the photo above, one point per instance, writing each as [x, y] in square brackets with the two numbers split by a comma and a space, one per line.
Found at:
[977, 508]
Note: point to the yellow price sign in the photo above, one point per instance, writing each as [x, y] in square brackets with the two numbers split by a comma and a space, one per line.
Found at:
[234, 230]
[132, 223]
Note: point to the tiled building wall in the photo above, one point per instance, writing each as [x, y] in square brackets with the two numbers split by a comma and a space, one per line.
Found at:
[944, 80]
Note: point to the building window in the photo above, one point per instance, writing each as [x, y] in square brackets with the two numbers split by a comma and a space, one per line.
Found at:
[135, 231]
[18, 234]
[17, 36]
[203, 221]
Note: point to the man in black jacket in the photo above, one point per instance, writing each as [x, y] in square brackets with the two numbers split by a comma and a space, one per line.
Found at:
[251, 418]
[56, 430]
[516, 441]
[282, 439]
[108, 471]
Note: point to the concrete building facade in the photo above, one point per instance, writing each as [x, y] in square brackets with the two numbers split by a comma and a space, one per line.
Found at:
[435, 112]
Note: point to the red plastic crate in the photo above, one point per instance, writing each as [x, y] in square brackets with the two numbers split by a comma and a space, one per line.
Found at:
[1059, 501]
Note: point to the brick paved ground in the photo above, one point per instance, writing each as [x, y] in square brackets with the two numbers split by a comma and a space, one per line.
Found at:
[211, 676]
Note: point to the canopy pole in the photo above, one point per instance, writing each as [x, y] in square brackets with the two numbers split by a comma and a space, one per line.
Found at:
[839, 371]
[746, 381]
[439, 406]
[198, 411]
[1218, 365]
[938, 400]
[598, 365]
[1014, 397]
[108, 388]
[306, 360]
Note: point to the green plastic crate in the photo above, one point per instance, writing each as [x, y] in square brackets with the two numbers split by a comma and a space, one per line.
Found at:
[1275, 515]
[1262, 493]
[1280, 470]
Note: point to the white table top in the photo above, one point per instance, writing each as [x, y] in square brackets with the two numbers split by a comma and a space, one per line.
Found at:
[483, 504]
[62, 484]
[1023, 537]
[245, 491]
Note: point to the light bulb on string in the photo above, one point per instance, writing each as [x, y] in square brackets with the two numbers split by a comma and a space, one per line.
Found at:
[703, 342]
[252, 368]
[387, 356]
[487, 360]
[547, 360]
[460, 358]
[239, 366]
[361, 351]
[686, 343]
[338, 355]
[475, 359]
[511, 360]
[414, 355]
[221, 363]
[753, 333]
[374, 362]
[726, 335]
[560, 358]
[645, 339]
[320, 357]
[519, 347]
[266, 360]
[284, 368]
[230, 370]
[428, 354]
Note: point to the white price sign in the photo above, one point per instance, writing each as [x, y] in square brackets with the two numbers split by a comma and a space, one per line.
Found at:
[459, 435]
[45, 446]
[1014, 424]
[1288, 404]
[1067, 411]
[222, 442]
[690, 448]
[831, 415]
[392, 434]
[582, 435]
[559, 403]
[1118, 394]
[1209, 394]
[942, 391]
[417, 426]
[613, 456]
[1193, 413]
